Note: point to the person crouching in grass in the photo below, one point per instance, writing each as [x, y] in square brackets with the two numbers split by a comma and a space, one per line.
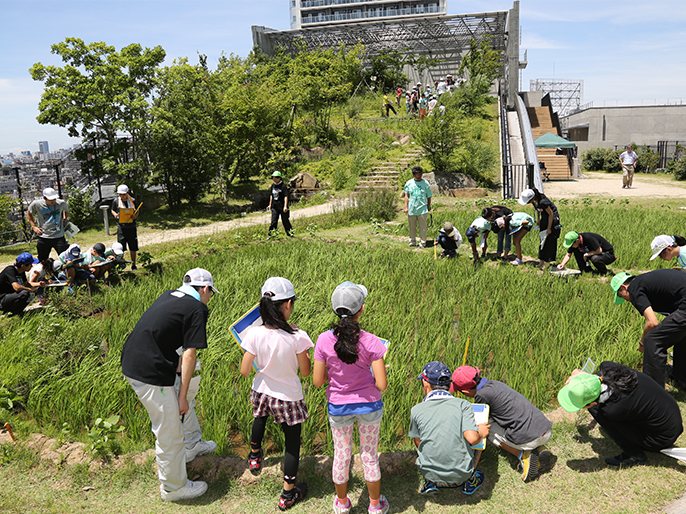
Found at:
[517, 426]
[444, 430]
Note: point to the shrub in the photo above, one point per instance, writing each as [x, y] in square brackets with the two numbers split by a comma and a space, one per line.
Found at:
[379, 204]
[7, 206]
[81, 213]
[679, 169]
[602, 159]
[648, 159]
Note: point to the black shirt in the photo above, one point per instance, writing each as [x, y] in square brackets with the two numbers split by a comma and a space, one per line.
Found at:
[648, 408]
[279, 192]
[500, 211]
[664, 290]
[128, 204]
[174, 322]
[9, 276]
[590, 242]
[542, 208]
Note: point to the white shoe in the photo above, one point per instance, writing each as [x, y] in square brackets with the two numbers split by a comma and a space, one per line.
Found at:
[188, 491]
[202, 447]
[516, 262]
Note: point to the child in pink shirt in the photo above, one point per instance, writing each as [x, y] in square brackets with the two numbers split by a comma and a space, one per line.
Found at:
[344, 356]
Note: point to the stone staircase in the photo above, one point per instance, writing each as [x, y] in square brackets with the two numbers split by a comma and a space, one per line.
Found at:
[557, 166]
[385, 175]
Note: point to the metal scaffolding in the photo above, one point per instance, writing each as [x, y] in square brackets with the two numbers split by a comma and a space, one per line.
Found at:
[442, 37]
[565, 95]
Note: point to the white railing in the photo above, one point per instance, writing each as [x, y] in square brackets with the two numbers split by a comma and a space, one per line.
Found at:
[649, 102]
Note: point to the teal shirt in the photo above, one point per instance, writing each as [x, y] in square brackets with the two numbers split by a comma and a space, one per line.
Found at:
[419, 192]
[443, 455]
[681, 258]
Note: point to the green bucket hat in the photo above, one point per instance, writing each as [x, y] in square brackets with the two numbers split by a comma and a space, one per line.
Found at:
[581, 390]
[570, 237]
[276, 174]
[617, 281]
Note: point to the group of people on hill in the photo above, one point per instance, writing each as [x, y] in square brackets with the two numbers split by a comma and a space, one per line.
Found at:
[49, 220]
[419, 100]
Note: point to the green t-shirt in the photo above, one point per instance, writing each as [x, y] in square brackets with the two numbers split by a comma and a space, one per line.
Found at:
[444, 455]
[419, 192]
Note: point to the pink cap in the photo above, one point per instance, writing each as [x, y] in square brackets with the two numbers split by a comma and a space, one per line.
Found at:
[464, 378]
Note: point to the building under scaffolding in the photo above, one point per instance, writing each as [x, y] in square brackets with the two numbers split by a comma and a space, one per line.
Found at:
[441, 37]
[565, 95]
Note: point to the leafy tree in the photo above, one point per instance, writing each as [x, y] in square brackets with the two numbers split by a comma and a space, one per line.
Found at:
[99, 93]
[7, 207]
[438, 136]
[480, 67]
[388, 67]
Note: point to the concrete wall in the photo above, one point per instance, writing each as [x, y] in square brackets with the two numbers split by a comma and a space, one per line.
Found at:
[619, 126]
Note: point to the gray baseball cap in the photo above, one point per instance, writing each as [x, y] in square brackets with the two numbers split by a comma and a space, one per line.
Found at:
[350, 296]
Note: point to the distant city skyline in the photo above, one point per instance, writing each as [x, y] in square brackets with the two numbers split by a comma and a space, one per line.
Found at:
[622, 50]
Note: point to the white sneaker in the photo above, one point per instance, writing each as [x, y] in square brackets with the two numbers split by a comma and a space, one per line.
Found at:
[202, 447]
[188, 491]
[517, 262]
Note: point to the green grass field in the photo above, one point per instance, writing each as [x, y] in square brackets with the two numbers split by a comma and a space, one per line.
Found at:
[526, 328]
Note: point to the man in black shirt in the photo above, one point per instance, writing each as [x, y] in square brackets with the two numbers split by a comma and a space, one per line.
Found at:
[588, 248]
[278, 204]
[662, 291]
[15, 290]
[164, 384]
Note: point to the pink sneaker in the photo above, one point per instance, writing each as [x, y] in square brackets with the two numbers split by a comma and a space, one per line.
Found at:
[517, 262]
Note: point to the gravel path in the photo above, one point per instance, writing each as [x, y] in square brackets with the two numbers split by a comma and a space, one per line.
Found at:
[610, 185]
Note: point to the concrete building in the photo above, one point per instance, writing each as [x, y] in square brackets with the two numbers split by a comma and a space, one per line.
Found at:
[318, 13]
[43, 147]
[615, 126]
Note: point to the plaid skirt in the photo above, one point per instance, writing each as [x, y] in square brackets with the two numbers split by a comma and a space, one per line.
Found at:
[283, 411]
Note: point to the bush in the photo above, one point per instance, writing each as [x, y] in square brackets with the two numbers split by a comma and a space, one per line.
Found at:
[602, 159]
[7, 206]
[379, 204]
[648, 160]
[679, 169]
[81, 212]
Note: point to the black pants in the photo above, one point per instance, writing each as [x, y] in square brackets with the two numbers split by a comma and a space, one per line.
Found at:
[127, 235]
[44, 245]
[292, 440]
[631, 438]
[600, 261]
[448, 244]
[15, 302]
[390, 107]
[276, 212]
[670, 332]
[549, 251]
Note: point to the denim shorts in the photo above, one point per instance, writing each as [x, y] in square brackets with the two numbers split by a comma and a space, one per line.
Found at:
[371, 418]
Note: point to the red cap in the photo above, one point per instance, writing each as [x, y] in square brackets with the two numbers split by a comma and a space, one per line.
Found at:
[464, 378]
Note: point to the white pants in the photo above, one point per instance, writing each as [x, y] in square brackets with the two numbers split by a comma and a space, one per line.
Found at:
[172, 437]
[412, 227]
[497, 437]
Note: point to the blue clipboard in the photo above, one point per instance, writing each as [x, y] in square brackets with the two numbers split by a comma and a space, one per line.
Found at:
[240, 328]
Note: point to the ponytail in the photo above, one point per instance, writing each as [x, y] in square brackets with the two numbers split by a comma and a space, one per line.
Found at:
[347, 332]
[680, 240]
[271, 314]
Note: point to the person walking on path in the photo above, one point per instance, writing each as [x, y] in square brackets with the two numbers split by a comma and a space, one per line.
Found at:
[444, 429]
[127, 233]
[15, 289]
[278, 204]
[516, 426]
[278, 350]
[352, 362]
[417, 205]
[173, 326]
[588, 248]
[48, 218]
[628, 161]
[668, 247]
[661, 291]
[388, 104]
[548, 222]
[630, 407]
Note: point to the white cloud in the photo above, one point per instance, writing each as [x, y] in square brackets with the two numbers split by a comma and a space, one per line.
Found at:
[538, 43]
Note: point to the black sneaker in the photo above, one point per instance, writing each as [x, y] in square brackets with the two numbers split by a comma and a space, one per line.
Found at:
[298, 493]
[624, 459]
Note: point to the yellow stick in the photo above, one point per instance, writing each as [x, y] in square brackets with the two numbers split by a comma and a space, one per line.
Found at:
[435, 251]
[464, 361]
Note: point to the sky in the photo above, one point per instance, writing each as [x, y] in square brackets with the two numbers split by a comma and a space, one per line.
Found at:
[626, 51]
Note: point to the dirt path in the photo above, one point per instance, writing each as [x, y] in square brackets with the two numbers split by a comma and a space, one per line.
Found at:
[610, 185]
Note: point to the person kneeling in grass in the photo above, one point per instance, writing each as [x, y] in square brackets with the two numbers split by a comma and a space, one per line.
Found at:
[630, 406]
[444, 429]
[517, 426]
[449, 239]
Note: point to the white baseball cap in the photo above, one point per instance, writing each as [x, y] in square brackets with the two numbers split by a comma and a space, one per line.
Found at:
[122, 189]
[660, 243]
[50, 194]
[199, 277]
[350, 296]
[118, 248]
[526, 196]
[278, 288]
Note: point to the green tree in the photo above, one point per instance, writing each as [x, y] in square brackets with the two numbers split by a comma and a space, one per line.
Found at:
[7, 207]
[480, 67]
[388, 67]
[99, 93]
